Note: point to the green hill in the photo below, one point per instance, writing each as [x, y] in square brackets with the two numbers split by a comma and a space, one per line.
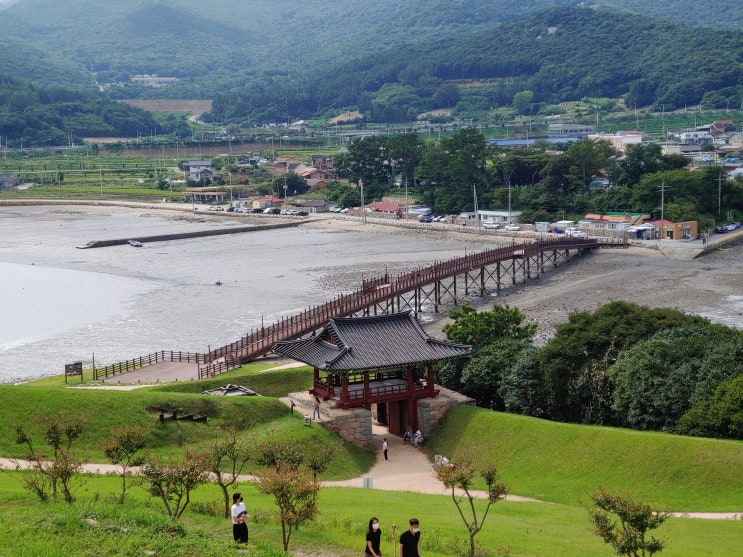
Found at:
[561, 462]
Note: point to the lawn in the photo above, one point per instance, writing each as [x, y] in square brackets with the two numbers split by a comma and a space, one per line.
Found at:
[560, 464]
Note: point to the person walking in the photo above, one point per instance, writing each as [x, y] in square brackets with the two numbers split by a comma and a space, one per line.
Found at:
[239, 516]
[410, 540]
[373, 539]
[384, 448]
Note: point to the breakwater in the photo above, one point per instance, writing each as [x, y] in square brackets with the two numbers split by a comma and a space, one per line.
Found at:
[183, 235]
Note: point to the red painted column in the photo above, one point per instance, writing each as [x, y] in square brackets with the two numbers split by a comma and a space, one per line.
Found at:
[412, 414]
[344, 391]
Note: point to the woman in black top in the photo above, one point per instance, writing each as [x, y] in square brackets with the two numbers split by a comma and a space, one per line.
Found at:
[373, 537]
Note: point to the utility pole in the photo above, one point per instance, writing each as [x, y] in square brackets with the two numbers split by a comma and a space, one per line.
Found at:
[477, 213]
[719, 194]
[363, 208]
[662, 189]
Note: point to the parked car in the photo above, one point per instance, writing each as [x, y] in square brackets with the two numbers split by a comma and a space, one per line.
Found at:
[490, 225]
[575, 233]
[732, 226]
[425, 218]
[271, 211]
[721, 229]
[513, 227]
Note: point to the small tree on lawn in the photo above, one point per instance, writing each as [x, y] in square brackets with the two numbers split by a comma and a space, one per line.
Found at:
[460, 476]
[225, 458]
[295, 492]
[121, 448]
[629, 534]
[319, 458]
[173, 480]
[59, 432]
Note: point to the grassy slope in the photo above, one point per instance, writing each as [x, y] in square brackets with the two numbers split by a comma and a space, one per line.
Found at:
[555, 462]
[563, 462]
[104, 410]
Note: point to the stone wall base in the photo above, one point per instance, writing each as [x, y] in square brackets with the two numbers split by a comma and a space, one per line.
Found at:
[355, 425]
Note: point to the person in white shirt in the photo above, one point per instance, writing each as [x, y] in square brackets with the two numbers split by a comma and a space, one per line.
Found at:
[239, 516]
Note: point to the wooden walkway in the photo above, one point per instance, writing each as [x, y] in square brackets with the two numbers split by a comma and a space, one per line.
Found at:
[452, 279]
[382, 291]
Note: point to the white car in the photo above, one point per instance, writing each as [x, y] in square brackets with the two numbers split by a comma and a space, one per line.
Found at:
[513, 227]
[490, 225]
[575, 233]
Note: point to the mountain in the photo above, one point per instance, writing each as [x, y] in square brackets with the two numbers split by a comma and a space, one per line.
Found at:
[561, 54]
[231, 41]
[269, 60]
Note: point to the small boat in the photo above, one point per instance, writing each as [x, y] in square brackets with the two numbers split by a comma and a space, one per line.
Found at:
[135, 243]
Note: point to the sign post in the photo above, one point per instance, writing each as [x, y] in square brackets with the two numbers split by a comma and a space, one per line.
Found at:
[70, 370]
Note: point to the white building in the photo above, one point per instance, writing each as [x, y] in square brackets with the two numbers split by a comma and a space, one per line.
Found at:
[501, 217]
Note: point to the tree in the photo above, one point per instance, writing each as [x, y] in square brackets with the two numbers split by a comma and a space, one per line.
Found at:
[479, 328]
[121, 449]
[173, 479]
[590, 341]
[461, 476]
[225, 458]
[319, 458]
[720, 415]
[295, 493]
[482, 376]
[657, 380]
[522, 101]
[59, 432]
[628, 536]
[522, 388]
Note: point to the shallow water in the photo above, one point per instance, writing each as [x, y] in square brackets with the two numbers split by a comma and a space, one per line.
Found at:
[61, 304]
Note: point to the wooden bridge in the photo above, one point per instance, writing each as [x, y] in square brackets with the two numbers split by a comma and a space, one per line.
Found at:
[423, 289]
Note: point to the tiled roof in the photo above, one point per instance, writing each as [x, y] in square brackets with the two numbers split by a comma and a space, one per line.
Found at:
[367, 343]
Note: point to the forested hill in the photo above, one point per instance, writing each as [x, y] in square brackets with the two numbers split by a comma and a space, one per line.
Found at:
[212, 44]
[31, 116]
[559, 55]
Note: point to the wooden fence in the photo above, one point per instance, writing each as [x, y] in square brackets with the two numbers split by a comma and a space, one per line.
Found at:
[142, 361]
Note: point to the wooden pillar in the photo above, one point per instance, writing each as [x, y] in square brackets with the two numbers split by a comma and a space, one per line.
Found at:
[412, 414]
[367, 392]
[344, 391]
[497, 275]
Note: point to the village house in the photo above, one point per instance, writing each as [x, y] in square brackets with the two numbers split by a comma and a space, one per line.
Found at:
[667, 230]
[198, 171]
[599, 224]
[620, 140]
[500, 217]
